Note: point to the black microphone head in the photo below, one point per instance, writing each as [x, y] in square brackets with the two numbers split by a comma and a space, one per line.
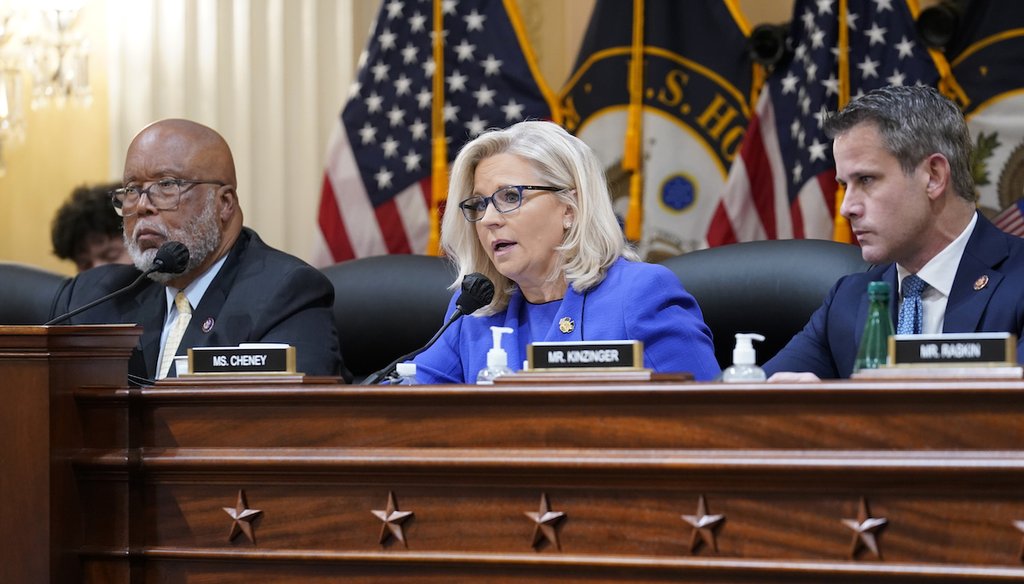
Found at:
[477, 292]
[171, 258]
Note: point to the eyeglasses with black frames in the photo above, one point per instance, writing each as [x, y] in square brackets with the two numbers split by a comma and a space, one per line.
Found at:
[505, 199]
[164, 194]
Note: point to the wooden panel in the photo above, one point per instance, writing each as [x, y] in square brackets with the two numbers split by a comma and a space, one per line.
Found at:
[800, 483]
[785, 466]
[863, 415]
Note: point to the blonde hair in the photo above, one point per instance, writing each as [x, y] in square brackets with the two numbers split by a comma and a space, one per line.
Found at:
[591, 244]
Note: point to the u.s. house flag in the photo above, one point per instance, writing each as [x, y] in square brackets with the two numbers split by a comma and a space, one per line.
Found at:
[661, 91]
[988, 64]
[377, 196]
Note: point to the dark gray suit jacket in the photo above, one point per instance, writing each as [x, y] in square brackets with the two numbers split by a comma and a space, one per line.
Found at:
[260, 295]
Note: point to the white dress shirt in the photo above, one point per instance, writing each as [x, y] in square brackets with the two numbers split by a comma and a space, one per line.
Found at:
[939, 273]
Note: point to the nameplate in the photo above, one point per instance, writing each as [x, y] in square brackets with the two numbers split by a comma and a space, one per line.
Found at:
[248, 359]
[585, 355]
[954, 349]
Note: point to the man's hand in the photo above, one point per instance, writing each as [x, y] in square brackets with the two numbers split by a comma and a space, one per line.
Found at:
[793, 377]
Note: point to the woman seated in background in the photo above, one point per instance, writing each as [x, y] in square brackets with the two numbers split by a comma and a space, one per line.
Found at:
[529, 207]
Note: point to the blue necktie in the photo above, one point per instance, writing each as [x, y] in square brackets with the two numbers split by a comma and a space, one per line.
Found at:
[911, 320]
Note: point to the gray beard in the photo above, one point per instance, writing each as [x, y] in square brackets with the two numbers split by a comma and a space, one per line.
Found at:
[201, 236]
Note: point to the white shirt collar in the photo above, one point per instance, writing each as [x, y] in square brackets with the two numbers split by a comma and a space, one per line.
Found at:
[194, 291]
[940, 271]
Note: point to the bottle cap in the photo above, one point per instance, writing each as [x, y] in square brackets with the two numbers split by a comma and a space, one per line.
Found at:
[744, 354]
[878, 290]
[497, 357]
[406, 369]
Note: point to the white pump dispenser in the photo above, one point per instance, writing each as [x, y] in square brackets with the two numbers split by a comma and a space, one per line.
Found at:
[744, 363]
[497, 358]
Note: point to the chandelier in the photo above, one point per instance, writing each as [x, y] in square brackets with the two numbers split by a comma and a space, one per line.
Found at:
[41, 56]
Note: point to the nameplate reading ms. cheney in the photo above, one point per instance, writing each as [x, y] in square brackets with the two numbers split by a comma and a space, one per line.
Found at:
[243, 359]
[585, 355]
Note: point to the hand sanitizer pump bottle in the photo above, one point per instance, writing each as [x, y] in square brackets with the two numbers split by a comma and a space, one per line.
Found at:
[744, 364]
[407, 373]
[497, 358]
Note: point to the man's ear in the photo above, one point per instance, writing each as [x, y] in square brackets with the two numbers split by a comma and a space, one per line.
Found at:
[937, 168]
[227, 203]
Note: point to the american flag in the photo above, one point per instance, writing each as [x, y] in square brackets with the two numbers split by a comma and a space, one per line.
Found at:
[376, 197]
[782, 185]
[1011, 219]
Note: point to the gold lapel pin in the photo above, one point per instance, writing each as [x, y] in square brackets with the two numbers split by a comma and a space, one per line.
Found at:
[981, 282]
[566, 325]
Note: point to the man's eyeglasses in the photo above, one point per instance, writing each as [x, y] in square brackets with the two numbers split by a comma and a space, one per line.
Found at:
[504, 200]
[164, 194]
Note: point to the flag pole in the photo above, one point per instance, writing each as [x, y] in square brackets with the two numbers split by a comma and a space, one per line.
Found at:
[632, 160]
[439, 150]
[840, 226]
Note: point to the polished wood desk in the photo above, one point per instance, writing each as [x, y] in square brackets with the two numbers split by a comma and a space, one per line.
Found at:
[838, 482]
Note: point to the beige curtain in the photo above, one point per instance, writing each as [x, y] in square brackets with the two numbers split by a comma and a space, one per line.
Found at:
[270, 75]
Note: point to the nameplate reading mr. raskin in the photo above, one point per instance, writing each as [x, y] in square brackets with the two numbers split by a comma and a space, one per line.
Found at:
[586, 355]
[954, 348]
[277, 359]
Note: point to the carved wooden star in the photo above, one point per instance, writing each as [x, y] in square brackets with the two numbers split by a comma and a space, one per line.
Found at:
[242, 518]
[864, 530]
[392, 520]
[545, 523]
[1020, 527]
[704, 527]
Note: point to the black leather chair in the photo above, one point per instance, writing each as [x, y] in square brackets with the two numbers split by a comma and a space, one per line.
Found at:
[387, 306]
[766, 287]
[26, 293]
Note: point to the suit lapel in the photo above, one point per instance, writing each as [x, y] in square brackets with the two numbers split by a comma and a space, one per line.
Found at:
[984, 252]
[151, 311]
[203, 326]
[571, 308]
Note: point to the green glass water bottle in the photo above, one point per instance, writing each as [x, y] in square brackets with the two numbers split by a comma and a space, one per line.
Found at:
[874, 343]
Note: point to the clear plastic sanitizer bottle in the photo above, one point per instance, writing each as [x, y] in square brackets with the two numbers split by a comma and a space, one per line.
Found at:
[744, 363]
[407, 373]
[497, 358]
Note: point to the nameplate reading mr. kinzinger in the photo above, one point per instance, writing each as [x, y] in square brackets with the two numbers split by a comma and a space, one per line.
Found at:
[586, 355]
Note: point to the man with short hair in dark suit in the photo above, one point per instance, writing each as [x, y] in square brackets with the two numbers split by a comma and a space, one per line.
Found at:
[904, 155]
[179, 185]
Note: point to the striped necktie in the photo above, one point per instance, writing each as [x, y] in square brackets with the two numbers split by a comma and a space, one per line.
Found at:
[177, 331]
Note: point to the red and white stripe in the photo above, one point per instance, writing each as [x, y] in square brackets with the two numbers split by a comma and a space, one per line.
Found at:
[349, 225]
[1010, 220]
[755, 204]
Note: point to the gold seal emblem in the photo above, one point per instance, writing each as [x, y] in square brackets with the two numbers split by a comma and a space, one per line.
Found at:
[981, 282]
[566, 325]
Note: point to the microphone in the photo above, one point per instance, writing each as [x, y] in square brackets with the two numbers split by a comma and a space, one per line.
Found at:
[171, 258]
[477, 292]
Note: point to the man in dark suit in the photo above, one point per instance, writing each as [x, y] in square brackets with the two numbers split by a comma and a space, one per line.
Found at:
[179, 185]
[903, 154]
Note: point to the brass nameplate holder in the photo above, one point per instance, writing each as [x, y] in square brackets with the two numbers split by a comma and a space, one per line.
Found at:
[949, 356]
[954, 349]
[585, 355]
[254, 359]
